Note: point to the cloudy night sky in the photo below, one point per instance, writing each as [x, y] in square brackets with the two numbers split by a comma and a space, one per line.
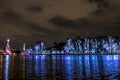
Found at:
[29, 21]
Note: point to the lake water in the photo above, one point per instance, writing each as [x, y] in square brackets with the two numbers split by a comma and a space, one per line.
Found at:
[60, 67]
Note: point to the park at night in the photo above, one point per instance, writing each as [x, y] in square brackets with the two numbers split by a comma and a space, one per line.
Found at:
[59, 40]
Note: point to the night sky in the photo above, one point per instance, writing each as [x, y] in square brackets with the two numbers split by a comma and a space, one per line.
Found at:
[29, 21]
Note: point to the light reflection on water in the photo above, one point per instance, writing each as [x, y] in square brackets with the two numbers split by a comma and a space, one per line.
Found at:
[60, 67]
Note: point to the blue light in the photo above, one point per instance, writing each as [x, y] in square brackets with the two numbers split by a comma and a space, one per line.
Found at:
[7, 67]
[115, 57]
[36, 57]
[80, 46]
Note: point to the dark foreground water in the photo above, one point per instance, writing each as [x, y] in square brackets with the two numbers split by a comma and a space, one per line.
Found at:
[60, 67]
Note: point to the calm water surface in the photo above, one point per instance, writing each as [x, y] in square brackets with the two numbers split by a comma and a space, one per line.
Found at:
[60, 67]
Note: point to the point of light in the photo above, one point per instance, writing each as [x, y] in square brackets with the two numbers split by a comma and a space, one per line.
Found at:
[8, 40]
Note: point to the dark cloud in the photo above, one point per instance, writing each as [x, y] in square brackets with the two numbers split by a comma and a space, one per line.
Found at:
[101, 6]
[61, 21]
[10, 14]
[85, 27]
[35, 8]
[98, 12]
[37, 27]
[107, 7]
[82, 22]
[101, 3]
[37, 31]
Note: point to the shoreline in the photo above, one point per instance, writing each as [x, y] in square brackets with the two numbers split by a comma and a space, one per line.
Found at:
[74, 54]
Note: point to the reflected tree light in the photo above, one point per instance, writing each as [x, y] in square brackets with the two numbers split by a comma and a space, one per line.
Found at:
[87, 57]
[108, 57]
[43, 56]
[94, 57]
[68, 67]
[37, 56]
[37, 65]
[115, 57]
[6, 67]
[7, 58]
[68, 58]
